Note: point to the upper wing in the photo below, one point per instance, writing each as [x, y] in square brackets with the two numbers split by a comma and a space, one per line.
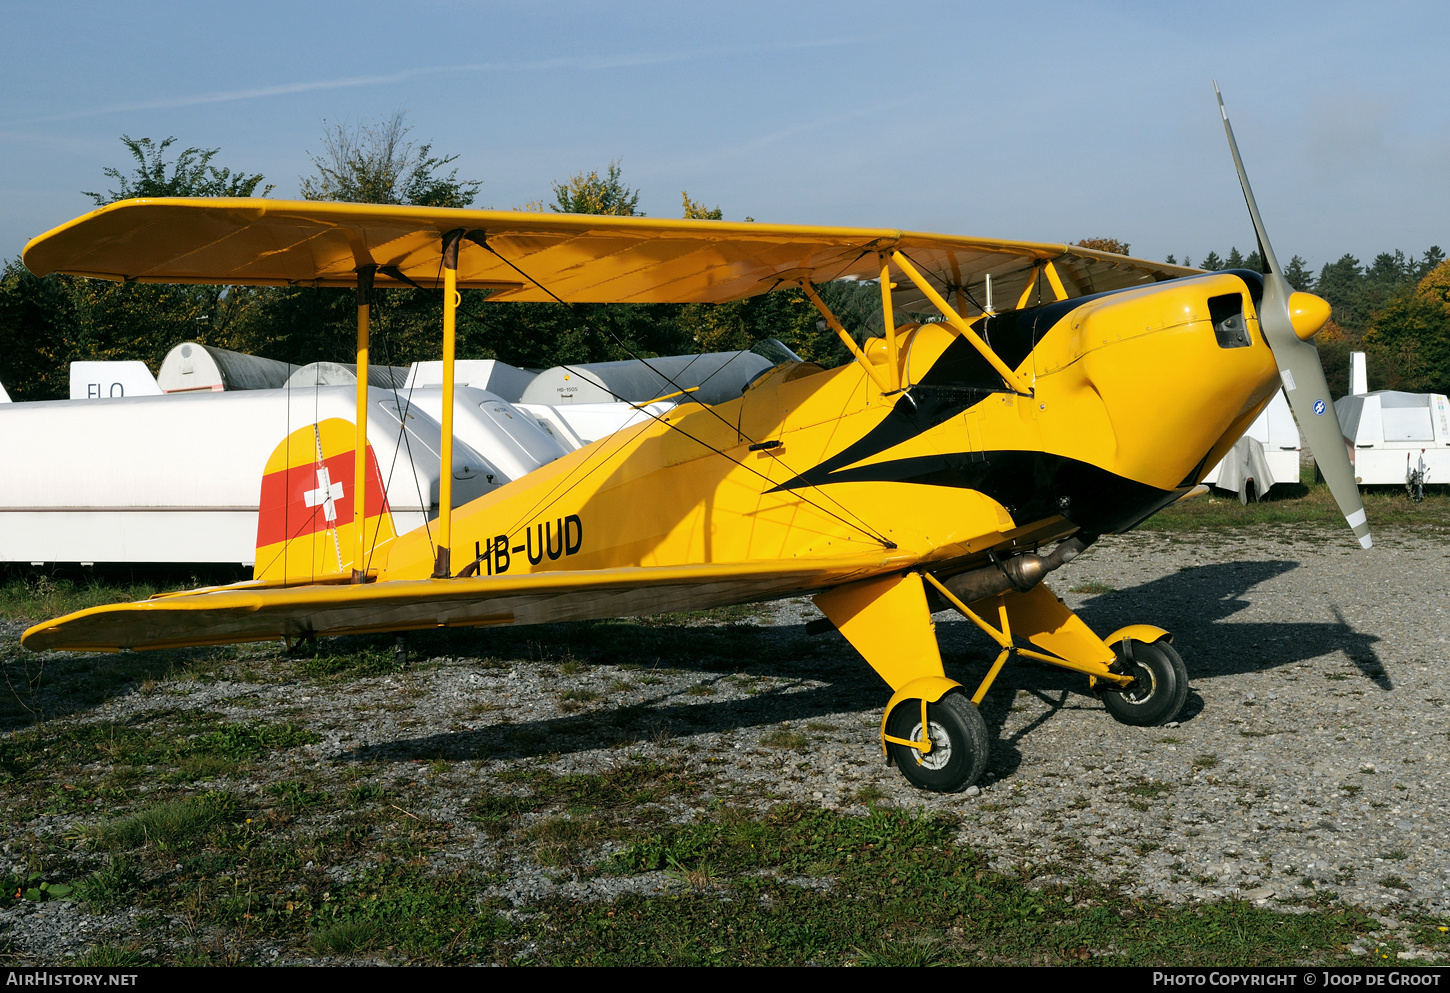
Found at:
[580, 258]
[247, 612]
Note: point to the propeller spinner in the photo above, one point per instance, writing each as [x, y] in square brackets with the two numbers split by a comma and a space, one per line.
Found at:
[1289, 319]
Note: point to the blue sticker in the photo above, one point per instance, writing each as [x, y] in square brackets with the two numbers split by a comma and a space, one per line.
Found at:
[1319, 407]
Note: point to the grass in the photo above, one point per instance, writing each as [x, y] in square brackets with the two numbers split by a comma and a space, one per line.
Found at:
[184, 745]
[173, 824]
[110, 887]
[346, 937]
[785, 738]
[1300, 504]
[1150, 790]
[30, 593]
[897, 890]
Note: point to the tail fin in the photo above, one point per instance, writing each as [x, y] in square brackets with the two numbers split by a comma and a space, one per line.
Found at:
[305, 521]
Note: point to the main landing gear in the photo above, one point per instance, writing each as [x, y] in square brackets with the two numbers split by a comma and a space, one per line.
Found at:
[932, 731]
[959, 742]
[1159, 687]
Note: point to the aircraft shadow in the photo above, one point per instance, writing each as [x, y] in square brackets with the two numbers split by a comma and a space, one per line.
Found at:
[1197, 604]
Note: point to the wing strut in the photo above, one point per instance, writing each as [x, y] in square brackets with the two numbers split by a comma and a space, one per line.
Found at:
[365, 275]
[888, 321]
[451, 241]
[845, 336]
[960, 325]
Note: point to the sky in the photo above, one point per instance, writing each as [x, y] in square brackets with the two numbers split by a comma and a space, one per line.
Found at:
[1044, 122]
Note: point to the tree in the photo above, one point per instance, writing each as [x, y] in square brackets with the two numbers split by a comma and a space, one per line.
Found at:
[375, 163]
[1104, 245]
[1433, 257]
[1234, 260]
[588, 194]
[1435, 285]
[1211, 261]
[698, 212]
[192, 175]
[1297, 273]
[45, 324]
[1412, 331]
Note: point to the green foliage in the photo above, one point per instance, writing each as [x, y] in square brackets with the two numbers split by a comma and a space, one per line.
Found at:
[346, 937]
[1298, 275]
[698, 211]
[161, 739]
[375, 163]
[632, 783]
[792, 839]
[192, 175]
[40, 596]
[45, 324]
[1412, 334]
[109, 956]
[1105, 245]
[589, 194]
[110, 887]
[32, 886]
[169, 825]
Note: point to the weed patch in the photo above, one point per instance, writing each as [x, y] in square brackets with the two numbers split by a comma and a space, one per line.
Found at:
[785, 738]
[110, 887]
[174, 824]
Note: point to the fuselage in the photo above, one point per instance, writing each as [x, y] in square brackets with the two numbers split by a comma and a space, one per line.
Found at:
[1135, 395]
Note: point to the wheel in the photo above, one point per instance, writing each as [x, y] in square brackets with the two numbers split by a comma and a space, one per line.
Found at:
[1158, 690]
[959, 740]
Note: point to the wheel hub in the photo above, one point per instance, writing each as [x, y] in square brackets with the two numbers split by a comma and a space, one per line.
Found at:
[941, 747]
[1143, 684]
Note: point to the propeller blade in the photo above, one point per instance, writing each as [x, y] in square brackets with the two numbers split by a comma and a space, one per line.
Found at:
[1298, 361]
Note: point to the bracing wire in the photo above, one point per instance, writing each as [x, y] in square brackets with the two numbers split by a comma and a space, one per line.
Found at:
[861, 526]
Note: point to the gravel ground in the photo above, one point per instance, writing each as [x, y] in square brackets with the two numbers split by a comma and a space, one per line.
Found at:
[1309, 764]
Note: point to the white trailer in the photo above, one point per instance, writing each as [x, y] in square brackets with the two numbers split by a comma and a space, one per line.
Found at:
[1267, 454]
[177, 478]
[579, 424]
[499, 378]
[1391, 434]
[713, 377]
[108, 380]
[509, 438]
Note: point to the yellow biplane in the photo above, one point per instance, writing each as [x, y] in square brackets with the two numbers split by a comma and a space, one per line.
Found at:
[930, 472]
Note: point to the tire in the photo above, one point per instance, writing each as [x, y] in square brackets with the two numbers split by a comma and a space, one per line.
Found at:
[1158, 690]
[960, 743]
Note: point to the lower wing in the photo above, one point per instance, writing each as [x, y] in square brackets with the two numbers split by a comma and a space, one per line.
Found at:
[223, 615]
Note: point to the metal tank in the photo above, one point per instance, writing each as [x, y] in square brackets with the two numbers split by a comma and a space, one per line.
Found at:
[193, 367]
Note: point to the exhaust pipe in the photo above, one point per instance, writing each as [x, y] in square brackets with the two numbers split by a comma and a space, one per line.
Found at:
[1020, 573]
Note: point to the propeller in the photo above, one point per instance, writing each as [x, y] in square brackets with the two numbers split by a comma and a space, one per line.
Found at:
[1289, 319]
